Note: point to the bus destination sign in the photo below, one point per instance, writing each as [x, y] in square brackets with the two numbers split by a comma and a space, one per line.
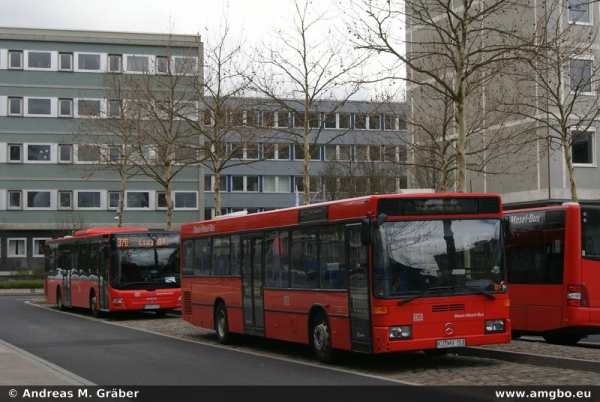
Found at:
[425, 206]
[147, 240]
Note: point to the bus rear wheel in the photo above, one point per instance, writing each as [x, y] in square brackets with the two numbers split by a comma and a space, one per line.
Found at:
[222, 325]
[321, 339]
[94, 305]
[59, 300]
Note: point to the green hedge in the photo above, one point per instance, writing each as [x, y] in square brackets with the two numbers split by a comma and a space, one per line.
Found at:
[23, 284]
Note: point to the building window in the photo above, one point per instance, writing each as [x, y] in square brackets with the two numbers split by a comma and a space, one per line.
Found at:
[360, 121]
[237, 183]
[38, 199]
[582, 148]
[38, 247]
[88, 199]
[185, 65]
[344, 120]
[374, 122]
[15, 59]
[283, 119]
[38, 153]
[252, 183]
[186, 199]
[162, 64]
[113, 199]
[15, 154]
[114, 63]
[580, 75]
[283, 152]
[65, 61]
[579, 11]
[15, 106]
[16, 247]
[89, 62]
[88, 153]
[114, 108]
[89, 107]
[14, 199]
[65, 107]
[389, 122]
[137, 64]
[65, 153]
[39, 107]
[330, 120]
[137, 199]
[39, 60]
[65, 199]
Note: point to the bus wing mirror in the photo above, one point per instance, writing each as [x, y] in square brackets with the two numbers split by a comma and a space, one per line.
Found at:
[380, 219]
[365, 231]
[507, 228]
[367, 224]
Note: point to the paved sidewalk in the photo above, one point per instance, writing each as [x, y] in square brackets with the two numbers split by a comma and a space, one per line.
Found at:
[19, 368]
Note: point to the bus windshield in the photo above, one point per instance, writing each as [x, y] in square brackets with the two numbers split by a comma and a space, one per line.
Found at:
[136, 268]
[453, 255]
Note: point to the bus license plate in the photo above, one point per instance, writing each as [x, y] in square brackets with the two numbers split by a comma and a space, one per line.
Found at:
[450, 343]
[151, 306]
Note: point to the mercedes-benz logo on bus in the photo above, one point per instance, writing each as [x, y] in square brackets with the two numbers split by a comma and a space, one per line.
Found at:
[449, 328]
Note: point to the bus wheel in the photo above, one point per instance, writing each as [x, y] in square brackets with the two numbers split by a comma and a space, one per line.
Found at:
[59, 300]
[565, 340]
[94, 305]
[161, 313]
[222, 325]
[321, 339]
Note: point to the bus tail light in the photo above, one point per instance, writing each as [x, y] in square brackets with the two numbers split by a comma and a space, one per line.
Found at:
[402, 332]
[577, 296]
[494, 326]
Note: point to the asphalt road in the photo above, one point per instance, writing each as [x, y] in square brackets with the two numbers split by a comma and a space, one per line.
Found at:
[112, 355]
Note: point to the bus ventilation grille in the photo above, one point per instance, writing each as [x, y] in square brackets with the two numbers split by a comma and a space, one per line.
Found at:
[187, 303]
[447, 307]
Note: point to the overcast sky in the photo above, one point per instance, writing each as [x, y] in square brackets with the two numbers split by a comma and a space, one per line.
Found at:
[151, 16]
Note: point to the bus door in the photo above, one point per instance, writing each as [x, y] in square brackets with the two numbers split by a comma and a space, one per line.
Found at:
[64, 266]
[358, 291]
[252, 283]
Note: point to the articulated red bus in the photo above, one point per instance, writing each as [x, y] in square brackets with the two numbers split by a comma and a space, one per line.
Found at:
[553, 264]
[374, 274]
[114, 269]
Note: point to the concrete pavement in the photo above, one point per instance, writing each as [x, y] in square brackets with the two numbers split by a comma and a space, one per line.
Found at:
[18, 368]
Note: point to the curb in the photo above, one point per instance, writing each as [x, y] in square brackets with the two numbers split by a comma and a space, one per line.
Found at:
[21, 292]
[536, 360]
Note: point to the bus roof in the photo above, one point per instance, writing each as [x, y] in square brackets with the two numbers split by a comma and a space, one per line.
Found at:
[345, 209]
[102, 231]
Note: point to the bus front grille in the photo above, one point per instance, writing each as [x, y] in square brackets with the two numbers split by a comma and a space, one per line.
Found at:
[447, 307]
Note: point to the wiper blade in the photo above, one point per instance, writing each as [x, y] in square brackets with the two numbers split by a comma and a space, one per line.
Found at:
[441, 289]
[481, 291]
[438, 289]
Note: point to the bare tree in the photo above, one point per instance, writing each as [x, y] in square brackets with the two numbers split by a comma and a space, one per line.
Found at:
[310, 65]
[231, 124]
[454, 52]
[562, 88]
[106, 136]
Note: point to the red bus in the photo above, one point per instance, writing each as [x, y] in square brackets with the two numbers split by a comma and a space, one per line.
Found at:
[114, 269]
[553, 266]
[374, 274]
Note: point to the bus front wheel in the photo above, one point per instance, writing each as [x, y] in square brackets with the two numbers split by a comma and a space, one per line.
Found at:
[222, 325]
[321, 338]
[59, 300]
[564, 340]
[94, 305]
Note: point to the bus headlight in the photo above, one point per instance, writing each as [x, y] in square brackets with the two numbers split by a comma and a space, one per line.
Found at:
[492, 326]
[402, 332]
[117, 300]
